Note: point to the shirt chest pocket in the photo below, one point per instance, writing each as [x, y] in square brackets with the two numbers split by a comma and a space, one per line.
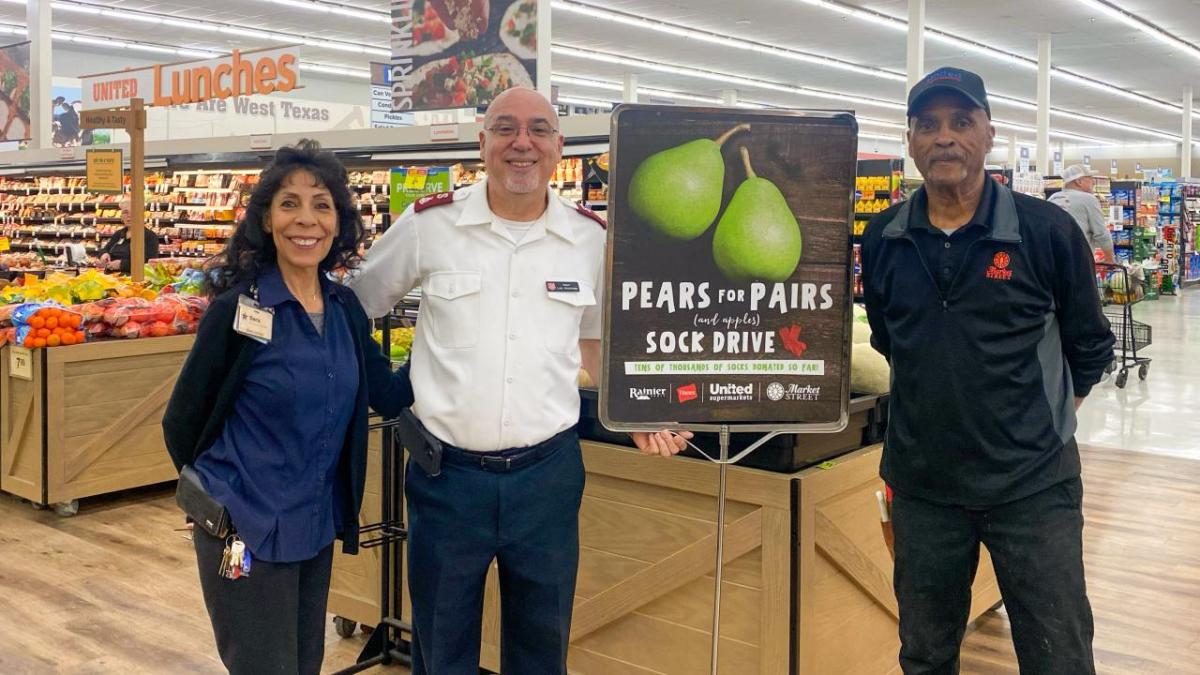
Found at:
[451, 302]
[562, 313]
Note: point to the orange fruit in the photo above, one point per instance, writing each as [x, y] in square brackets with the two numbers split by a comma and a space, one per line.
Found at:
[73, 320]
[68, 338]
[38, 343]
[43, 332]
[36, 321]
[52, 322]
[80, 337]
[28, 344]
[53, 341]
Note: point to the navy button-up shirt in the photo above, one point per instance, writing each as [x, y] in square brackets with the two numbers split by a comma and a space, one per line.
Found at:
[275, 464]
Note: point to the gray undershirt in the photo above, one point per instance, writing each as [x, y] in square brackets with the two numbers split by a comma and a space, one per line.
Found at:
[318, 321]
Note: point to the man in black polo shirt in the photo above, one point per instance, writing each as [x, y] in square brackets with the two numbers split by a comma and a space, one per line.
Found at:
[984, 302]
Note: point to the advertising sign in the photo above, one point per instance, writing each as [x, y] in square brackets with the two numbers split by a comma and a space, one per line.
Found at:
[409, 184]
[460, 53]
[105, 171]
[729, 269]
[382, 116]
[14, 92]
[260, 71]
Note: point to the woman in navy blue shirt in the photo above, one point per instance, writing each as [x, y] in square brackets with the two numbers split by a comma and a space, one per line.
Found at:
[276, 429]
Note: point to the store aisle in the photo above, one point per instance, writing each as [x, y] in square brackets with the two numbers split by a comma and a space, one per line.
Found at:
[1158, 415]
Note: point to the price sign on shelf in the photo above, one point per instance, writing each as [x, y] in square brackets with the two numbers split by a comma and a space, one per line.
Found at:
[20, 363]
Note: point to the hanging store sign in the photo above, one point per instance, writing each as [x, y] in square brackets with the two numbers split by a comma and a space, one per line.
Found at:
[1024, 163]
[460, 53]
[1058, 163]
[262, 71]
[105, 171]
[1112, 167]
[730, 296]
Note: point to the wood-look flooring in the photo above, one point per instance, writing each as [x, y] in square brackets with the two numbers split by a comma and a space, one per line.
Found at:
[114, 589]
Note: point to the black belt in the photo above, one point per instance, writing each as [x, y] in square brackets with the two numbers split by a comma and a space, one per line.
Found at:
[511, 459]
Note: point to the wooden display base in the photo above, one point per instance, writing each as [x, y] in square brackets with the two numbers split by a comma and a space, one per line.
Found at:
[89, 421]
[807, 584]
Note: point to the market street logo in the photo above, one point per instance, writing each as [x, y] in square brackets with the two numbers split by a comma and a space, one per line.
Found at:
[795, 392]
[775, 391]
[727, 393]
[999, 267]
[687, 393]
[648, 393]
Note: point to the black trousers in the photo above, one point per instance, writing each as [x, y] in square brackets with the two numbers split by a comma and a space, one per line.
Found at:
[272, 621]
[1036, 545]
[527, 520]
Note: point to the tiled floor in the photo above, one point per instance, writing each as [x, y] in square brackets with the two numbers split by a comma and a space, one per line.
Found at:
[1160, 415]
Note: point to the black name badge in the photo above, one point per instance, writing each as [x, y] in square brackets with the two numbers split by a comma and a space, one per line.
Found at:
[562, 286]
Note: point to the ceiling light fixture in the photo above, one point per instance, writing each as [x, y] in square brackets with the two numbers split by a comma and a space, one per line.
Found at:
[725, 41]
[1143, 25]
[721, 77]
[1007, 57]
[688, 32]
[217, 27]
[773, 86]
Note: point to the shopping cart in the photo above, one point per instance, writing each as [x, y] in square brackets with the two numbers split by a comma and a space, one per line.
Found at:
[1119, 292]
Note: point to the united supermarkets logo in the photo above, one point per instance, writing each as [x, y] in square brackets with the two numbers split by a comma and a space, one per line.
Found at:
[725, 393]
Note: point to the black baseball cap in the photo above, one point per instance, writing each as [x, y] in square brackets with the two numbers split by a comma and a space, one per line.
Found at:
[963, 82]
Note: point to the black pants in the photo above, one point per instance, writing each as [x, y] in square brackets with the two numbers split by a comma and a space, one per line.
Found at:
[272, 621]
[1036, 545]
[526, 519]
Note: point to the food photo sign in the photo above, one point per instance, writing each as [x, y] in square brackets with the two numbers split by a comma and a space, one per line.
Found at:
[460, 53]
[729, 269]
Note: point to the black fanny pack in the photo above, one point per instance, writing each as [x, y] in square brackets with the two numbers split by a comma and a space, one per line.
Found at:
[200, 506]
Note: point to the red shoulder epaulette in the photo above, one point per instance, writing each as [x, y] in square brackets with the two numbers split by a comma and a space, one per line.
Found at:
[585, 211]
[430, 201]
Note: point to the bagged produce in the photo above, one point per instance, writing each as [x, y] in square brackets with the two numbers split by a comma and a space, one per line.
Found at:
[861, 330]
[46, 325]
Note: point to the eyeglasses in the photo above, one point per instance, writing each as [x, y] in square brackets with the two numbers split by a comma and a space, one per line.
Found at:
[539, 131]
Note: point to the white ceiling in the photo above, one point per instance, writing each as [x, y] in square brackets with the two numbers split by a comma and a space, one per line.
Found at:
[1085, 41]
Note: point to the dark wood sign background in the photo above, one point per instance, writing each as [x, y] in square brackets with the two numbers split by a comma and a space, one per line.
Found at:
[812, 160]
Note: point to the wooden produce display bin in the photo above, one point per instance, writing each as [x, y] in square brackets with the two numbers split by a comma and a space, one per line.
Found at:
[87, 421]
[807, 583]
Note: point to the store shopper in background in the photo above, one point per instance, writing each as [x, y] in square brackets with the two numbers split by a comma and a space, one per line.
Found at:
[276, 428]
[114, 254]
[1079, 201]
[512, 283]
[983, 301]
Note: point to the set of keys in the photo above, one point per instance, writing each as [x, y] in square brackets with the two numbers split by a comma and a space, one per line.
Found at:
[235, 561]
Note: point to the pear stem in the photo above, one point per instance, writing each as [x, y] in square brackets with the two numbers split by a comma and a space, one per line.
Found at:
[725, 136]
[746, 161]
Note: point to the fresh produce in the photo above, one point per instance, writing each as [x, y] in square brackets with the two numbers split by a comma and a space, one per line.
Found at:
[38, 325]
[677, 191]
[402, 339]
[870, 373]
[758, 236]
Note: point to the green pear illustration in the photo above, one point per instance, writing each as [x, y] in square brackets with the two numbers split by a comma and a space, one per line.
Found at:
[758, 237]
[677, 191]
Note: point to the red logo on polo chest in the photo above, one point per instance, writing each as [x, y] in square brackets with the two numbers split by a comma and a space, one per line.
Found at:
[999, 268]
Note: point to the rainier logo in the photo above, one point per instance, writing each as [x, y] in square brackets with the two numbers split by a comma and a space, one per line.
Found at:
[999, 268]
[687, 393]
[648, 393]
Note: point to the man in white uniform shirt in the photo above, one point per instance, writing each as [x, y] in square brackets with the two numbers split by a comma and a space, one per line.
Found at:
[1079, 201]
[512, 283]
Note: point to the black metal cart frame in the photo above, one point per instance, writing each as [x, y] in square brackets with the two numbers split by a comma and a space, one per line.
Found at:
[1132, 336]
